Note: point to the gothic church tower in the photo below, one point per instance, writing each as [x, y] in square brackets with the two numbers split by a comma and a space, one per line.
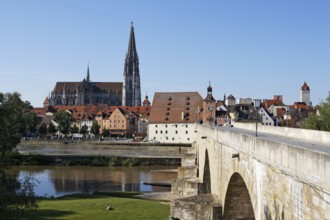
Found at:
[131, 86]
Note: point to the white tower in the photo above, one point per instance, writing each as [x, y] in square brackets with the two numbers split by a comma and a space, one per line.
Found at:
[305, 95]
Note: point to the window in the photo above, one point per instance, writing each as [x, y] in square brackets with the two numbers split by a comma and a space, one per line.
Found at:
[154, 137]
[156, 132]
[156, 126]
[176, 126]
[186, 126]
[188, 139]
[166, 138]
[176, 132]
[161, 132]
[172, 139]
[165, 126]
[122, 126]
[186, 132]
[166, 132]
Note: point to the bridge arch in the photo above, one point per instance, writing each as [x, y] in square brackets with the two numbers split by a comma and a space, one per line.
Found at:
[205, 187]
[238, 204]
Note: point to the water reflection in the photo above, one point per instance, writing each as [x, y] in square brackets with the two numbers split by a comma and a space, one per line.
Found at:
[59, 180]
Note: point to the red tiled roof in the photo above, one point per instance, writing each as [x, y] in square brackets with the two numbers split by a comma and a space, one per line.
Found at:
[175, 107]
[90, 111]
[39, 111]
[305, 86]
[280, 112]
[300, 105]
[271, 102]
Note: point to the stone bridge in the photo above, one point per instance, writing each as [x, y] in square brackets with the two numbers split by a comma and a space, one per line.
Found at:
[284, 173]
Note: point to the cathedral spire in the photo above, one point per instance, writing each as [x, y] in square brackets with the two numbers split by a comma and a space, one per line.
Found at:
[131, 86]
[88, 77]
[131, 52]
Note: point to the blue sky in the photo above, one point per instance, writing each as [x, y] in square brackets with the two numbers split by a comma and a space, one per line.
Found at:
[247, 48]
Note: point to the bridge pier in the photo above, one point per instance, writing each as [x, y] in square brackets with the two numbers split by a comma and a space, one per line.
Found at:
[196, 201]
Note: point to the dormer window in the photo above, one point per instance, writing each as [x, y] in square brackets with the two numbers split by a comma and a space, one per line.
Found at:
[170, 98]
[169, 103]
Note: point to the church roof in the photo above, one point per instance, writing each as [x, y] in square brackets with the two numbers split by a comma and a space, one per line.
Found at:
[96, 86]
[305, 86]
[175, 107]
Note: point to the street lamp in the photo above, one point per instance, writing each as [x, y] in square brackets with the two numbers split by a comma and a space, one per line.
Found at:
[257, 103]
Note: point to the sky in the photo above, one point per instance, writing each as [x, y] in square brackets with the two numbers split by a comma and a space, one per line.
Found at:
[247, 48]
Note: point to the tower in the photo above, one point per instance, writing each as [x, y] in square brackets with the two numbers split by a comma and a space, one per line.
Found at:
[209, 107]
[131, 86]
[88, 76]
[305, 95]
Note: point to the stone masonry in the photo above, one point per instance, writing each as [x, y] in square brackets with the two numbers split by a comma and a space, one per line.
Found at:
[281, 174]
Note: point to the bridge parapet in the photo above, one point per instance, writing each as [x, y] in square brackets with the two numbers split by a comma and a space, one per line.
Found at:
[301, 134]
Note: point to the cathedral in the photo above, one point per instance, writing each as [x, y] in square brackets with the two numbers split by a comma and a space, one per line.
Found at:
[85, 92]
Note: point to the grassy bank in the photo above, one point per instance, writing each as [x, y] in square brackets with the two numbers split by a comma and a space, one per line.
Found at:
[86, 207]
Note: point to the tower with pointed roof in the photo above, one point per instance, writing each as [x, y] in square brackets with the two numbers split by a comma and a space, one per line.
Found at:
[305, 95]
[88, 76]
[131, 86]
[209, 106]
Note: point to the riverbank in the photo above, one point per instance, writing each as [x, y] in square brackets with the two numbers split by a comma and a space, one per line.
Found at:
[117, 206]
[17, 159]
[120, 149]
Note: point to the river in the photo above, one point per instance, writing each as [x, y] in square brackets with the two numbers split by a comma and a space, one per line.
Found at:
[54, 181]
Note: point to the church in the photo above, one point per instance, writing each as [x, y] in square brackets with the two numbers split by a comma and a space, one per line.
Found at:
[86, 92]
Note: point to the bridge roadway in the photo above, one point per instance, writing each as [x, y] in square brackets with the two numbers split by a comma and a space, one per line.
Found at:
[284, 173]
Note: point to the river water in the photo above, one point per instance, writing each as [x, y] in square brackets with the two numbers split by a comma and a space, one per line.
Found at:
[61, 180]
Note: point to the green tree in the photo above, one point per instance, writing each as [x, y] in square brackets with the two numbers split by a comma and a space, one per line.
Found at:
[74, 129]
[106, 132]
[84, 129]
[42, 129]
[63, 118]
[31, 121]
[14, 114]
[95, 129]
[320, 121]
[51, 129]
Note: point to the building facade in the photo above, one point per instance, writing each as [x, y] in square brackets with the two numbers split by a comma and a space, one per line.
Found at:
[173, 117]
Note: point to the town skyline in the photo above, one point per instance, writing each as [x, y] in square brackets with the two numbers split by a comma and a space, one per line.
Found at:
[252, 49]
